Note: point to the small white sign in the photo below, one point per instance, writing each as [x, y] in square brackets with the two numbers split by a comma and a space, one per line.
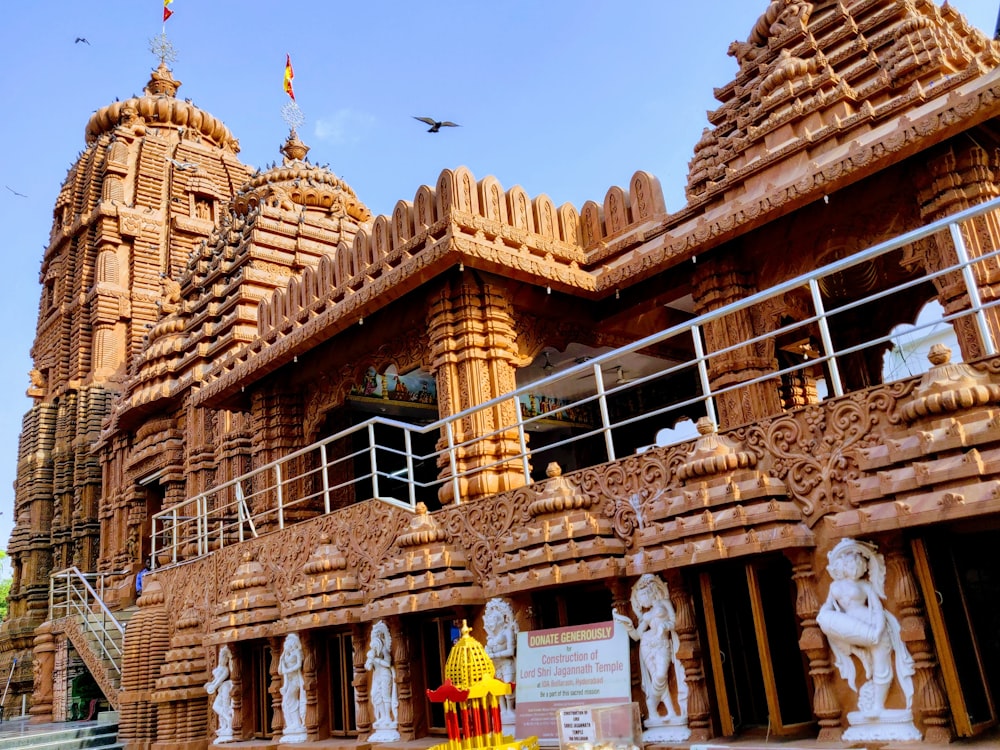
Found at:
[578, 725]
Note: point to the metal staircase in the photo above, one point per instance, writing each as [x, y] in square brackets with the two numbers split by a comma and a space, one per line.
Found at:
[96, 633]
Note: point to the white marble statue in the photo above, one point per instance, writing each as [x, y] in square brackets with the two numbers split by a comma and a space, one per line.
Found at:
[858, 626]
[293, 690]
[221, 685]
[501, 645]
[658, 662]
[382, 694]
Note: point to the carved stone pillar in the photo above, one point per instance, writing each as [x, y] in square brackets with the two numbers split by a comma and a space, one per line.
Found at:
[309, 679]
[362, 703]
[717, 283]
[404, 687]
[689, 653]
[812, 643]
[60, 678]
[277, 431]
[929, 703]
[621, 603]
[236, 675]
[473, 350]
[274, 686]
[620, 594]
[958, 177]
[44, 664]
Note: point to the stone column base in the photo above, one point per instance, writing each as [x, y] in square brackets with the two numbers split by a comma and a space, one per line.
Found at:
[889, 726]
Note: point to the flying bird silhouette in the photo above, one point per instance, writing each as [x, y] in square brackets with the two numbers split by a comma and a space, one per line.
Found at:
[435, 125]
[81, 39]
[21, 195]
[182, 165]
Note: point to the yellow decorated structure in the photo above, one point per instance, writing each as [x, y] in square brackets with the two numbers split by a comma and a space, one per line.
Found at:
[469, 694]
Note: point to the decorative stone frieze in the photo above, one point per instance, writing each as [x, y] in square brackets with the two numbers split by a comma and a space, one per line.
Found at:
[944, 465]
[250, 606]
[562, 541]
[722, 506]
[429, 573]
[328, 592]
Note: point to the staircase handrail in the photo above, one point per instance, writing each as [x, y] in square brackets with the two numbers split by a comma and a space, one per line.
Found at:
[73, 571]
[82, 599]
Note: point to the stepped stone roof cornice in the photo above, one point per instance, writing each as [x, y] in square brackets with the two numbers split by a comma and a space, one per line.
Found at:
[299, 182]
[158, 105]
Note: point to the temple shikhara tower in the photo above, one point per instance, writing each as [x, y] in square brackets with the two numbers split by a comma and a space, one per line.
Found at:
[765, 424]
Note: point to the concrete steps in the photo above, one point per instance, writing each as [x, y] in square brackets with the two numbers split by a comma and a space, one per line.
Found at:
[89, 736]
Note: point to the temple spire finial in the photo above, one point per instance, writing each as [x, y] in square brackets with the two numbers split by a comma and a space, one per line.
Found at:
[162, 80]
[163, 48]
[292, 115]
[294, 149]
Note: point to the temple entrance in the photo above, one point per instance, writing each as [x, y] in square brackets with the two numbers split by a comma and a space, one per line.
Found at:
[430, 651]
[961, 586]
[750, 630]
[335, 675]
[258, 708]
[154, 494]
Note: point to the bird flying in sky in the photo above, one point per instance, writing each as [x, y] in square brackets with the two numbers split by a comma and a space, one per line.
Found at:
[81, 39]
[435, 125]
[21, 195]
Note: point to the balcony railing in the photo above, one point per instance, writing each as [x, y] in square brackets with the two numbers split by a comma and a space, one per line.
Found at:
[376, 459]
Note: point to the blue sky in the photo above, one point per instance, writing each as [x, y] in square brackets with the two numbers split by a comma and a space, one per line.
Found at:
[563, 98]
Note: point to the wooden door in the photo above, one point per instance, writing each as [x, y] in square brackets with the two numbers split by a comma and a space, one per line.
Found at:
[759, 674]
[960, 581]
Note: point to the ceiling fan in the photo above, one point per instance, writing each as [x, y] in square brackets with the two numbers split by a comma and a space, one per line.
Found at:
[621, 377]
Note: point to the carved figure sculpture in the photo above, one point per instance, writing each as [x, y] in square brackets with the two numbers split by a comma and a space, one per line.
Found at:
[658, 643]
[221, 685]
[383, 695]
[293, 690]
[501, 644]
[858, 626]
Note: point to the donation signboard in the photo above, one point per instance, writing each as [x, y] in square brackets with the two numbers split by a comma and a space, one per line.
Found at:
[563, 667]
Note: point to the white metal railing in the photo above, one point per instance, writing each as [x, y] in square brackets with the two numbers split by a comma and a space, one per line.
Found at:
[73, 593]
[376, 459]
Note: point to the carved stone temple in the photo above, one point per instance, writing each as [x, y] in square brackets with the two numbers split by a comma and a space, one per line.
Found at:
[311, 421]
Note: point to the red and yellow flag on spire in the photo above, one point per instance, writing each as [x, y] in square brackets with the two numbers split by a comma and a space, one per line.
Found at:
[289, 75]
[166, 11]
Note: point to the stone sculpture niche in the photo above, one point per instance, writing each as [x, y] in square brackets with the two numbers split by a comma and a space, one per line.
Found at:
[221, 685]
[382, 694]
[858, 626]
[293, 690]
[663, 682]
